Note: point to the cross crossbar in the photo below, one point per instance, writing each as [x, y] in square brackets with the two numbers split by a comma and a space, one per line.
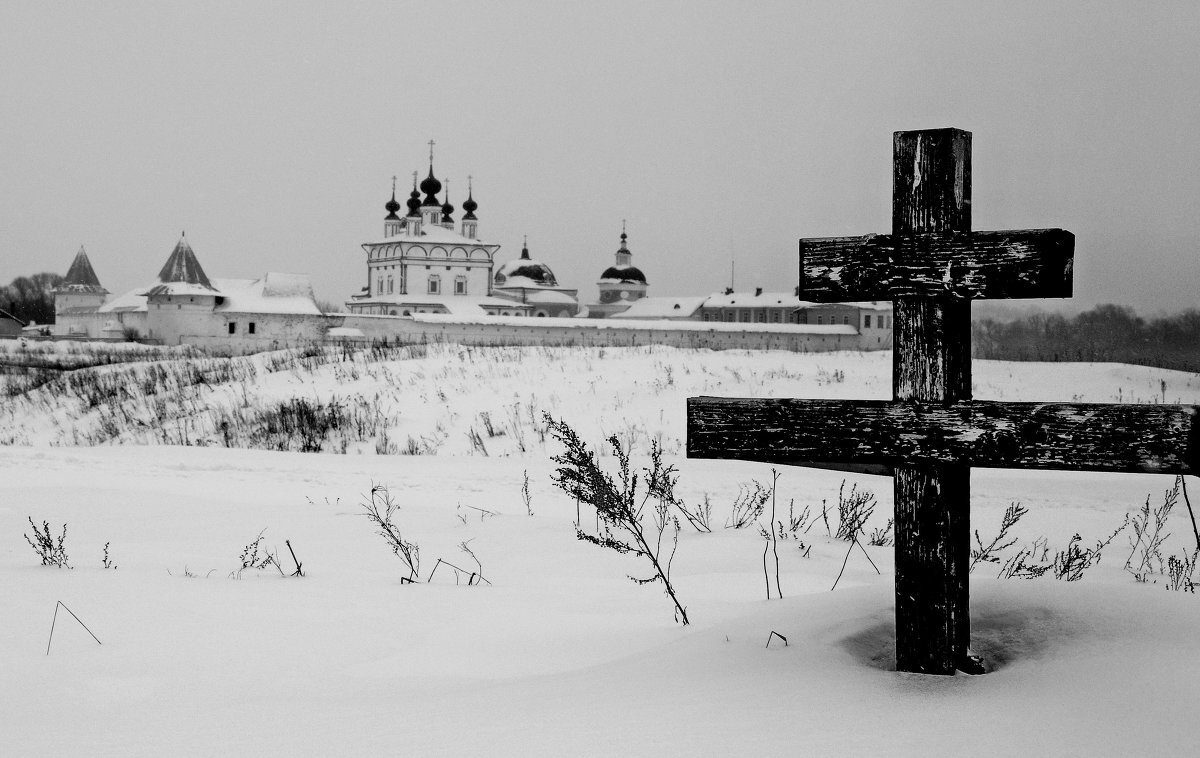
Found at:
[969, 265]
[1158, 439]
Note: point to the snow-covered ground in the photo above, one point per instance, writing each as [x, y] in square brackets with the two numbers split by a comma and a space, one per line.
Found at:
[560, 653]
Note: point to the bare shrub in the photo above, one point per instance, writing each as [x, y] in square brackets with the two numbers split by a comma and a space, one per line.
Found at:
[380, 508]
[1068, 564]
[748, 506]
[1180, 572]
[699, 516]
[476, 442]
[250, 557]
[882, 537]
[620, 507]
[1001, 542]
[51, 550]
[854, 508]
[1029, 562]
[1148, 524]
[525, 495]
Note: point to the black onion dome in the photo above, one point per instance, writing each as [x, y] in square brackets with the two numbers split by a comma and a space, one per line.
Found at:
[414, 201]
[392, 206]
[628, 274]
[431, 186]
[470, 206]
[447, 207]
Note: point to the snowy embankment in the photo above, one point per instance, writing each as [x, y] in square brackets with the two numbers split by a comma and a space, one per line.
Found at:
[559, 654]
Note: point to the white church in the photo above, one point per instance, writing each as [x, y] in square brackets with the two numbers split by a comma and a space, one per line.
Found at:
[428, 263]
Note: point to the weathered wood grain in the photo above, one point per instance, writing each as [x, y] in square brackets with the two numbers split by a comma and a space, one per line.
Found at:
[931, 362]
[1159, 439]
[1019, 263]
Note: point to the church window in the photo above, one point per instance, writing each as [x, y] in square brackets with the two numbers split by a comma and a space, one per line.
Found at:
[460, 285]
[379, 286]
[761, 316]
[866, 322]
[390, 285]
[846, 320]
[250, 328]
[233, 327]
[435, 284]
[820, 319]
[775, 317]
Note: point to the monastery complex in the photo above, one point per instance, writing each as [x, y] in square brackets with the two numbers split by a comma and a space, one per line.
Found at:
[430, 278]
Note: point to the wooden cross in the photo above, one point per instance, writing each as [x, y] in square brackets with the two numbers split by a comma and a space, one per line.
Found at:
[930, 435]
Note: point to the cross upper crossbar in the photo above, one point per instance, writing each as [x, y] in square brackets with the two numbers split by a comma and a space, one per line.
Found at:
[969, 265]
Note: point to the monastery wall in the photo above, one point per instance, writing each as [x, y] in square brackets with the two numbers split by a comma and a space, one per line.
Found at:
[527, 331]
[271, 330]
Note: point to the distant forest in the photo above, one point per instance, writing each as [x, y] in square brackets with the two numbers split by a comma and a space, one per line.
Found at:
[31, 298]
[1107, 333]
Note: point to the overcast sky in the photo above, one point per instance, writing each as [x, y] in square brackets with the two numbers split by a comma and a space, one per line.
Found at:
[721, 132]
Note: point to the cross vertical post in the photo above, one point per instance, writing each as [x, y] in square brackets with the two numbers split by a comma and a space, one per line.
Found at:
[931, 363]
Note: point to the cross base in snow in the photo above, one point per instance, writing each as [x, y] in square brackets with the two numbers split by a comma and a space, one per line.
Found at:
[931, 266]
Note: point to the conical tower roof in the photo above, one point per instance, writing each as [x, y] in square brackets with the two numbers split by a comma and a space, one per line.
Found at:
[81, 277]
[183, 267]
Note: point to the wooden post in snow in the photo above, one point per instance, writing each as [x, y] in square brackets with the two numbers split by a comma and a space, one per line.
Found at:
[931, 266]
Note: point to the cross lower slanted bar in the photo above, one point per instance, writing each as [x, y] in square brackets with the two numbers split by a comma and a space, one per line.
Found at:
[931, 266]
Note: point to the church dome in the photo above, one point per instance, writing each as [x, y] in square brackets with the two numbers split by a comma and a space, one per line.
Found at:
[470, 206]
[431, 186]
[392, 206]
[624, 271]
[624, 274]
[525, 272]
[414, 200]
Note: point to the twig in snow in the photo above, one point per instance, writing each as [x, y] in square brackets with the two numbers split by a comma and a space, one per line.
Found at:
[54, 620]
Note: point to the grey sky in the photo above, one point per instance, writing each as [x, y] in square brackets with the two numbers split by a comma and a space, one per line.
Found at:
[270, 132]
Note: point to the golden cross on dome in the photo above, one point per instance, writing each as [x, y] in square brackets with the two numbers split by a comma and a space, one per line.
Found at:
[431, 144]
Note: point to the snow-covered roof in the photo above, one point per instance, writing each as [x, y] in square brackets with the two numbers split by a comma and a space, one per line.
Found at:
[503, 281]
[183, 267]
[662, 307]
[274, 293]
[863, 305]
[463, 305]
[183, 288]
[624, 273]
[133, 300]
[432, 233]
[751, 300]
[81, 277]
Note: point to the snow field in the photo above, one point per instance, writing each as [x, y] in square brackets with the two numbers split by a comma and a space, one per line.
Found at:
[561, 653]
